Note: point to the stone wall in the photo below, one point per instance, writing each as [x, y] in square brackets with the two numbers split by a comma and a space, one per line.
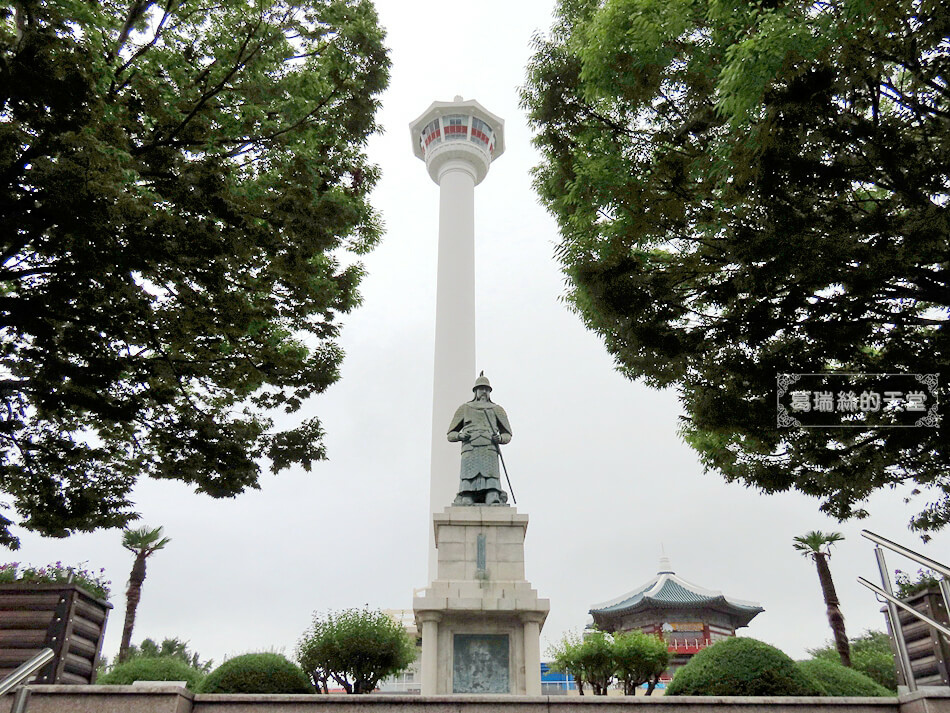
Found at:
[158, 699]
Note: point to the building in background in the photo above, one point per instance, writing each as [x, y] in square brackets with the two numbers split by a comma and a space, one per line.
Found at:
[555, 683]
[687, 617]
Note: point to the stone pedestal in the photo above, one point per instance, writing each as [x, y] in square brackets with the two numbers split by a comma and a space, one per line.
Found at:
[480, 618]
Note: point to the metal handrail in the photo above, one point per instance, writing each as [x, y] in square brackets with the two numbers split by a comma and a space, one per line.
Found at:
[26, 670]
[910, 554]
[880, 592]
[893, 602]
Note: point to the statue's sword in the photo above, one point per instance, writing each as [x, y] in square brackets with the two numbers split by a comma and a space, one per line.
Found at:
[500, 456]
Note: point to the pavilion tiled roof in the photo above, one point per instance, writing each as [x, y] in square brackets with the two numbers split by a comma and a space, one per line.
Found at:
[667, 591]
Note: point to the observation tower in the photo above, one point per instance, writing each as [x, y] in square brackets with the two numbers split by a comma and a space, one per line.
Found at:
[458, 140]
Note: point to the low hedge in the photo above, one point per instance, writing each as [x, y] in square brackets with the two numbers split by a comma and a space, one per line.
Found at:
[879, 666]
[833, 679]
[741, 667]
[257, 673]
[159, 668]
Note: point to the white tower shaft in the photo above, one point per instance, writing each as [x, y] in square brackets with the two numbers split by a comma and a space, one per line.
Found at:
[454, 371]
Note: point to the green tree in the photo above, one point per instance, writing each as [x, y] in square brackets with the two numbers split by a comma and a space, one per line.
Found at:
[745, 189]
[817, 545]
[179, 188]
[597, 658]
[639, 658]
[356, 648]
[143, 543]
[563, 658]
[871, 654]
[170, 647]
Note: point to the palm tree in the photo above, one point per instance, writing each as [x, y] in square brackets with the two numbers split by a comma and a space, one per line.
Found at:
[817, 545]
[142, 543]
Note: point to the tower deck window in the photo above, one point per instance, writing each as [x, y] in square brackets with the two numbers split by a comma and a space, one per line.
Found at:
[431, 134]
[482, 134]
[455, 127]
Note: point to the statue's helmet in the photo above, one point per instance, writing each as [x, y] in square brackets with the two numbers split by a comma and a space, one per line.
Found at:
[482, 380]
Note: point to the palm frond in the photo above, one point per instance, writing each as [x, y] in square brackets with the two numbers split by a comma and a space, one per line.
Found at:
[816, 542]
[144, 539]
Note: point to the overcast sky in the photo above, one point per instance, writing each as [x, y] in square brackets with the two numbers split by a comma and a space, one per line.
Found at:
[595, 459]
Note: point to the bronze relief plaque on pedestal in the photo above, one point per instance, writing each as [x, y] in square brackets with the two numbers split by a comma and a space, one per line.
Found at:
[480, 663]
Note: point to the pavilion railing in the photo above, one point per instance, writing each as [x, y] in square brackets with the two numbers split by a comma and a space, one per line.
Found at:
[685, 644]
[887, 594]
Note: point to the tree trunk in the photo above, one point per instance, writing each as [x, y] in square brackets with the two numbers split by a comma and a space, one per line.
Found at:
[655, 680]
[835, 617]
[321, 678]
[343, 682]
[132, 596]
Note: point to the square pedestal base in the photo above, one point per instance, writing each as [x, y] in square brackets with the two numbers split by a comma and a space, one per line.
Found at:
[480, 619]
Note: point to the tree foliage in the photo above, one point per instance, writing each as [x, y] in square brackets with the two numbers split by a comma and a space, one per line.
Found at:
[595, 659]
[356, 648]
[746, 189]
[170, 647]
[563, 658]
[871, 654]
[639, 658]
[178, 184]
[631, 658]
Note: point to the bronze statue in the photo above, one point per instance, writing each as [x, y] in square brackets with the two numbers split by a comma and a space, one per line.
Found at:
[481, 426]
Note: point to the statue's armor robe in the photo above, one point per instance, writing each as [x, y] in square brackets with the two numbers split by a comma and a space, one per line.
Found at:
[479, 470]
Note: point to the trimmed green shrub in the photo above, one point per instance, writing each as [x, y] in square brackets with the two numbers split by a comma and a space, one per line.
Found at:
[741, 667]
[879, 666]
[257, 673]
[833, 679]
[871, 654]
[162, 668]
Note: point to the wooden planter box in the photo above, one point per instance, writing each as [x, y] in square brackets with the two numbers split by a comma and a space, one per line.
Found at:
[928, 650]
[63, 617]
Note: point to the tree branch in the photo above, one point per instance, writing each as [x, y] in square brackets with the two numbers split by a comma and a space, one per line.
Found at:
[146, 47]
[240, 62]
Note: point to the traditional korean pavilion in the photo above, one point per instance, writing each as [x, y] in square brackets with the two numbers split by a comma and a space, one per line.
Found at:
[688, 617]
